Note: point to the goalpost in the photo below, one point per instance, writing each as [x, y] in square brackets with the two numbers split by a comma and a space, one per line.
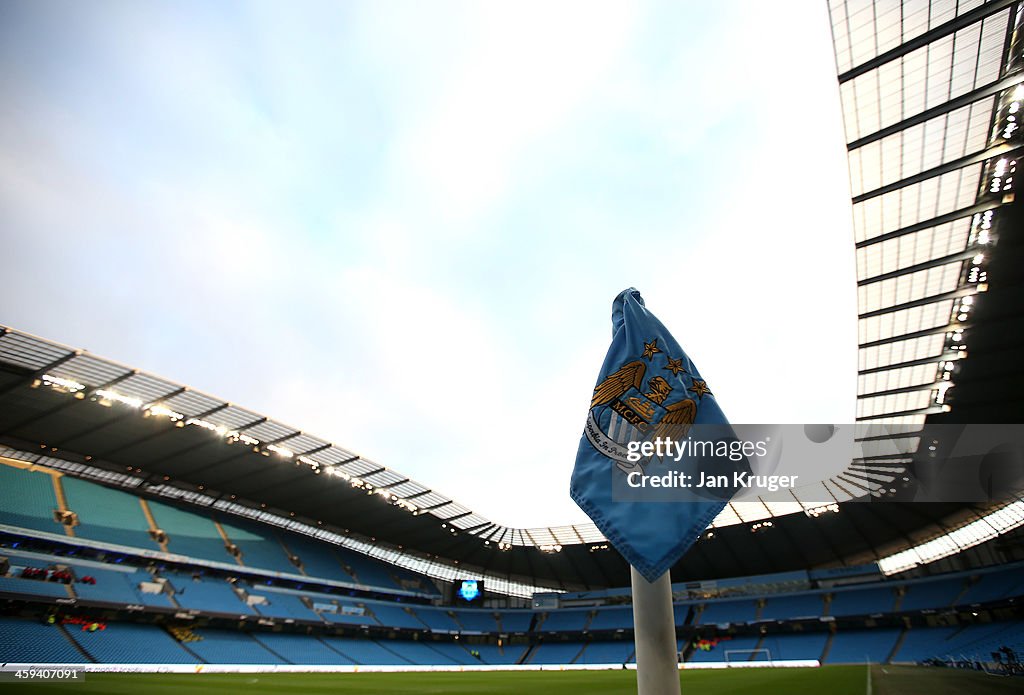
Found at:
[745, 655]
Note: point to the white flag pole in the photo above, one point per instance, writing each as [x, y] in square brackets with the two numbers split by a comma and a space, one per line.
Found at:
[654, 629]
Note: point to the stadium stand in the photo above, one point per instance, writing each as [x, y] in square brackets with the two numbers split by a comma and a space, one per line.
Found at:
[932, 595]
[30, 641]
[34, 587]
[190, 534]
[728, 611]
[617, 618]
[115, 517]
[214, 596]
[27, 500]
[566, 620]
[284, 605]
[978, 641]
[393, 615]
[112, 586]
[300, 649]
[556, 653]
[493, 654]
[316, 558]
[994, 586]
[923, 643]
[515, 621]
[112, 516]
[606, 652]
[858, 646]
[348, 613]
[364, 651]
[476, 621]
[792, 607]
[795, 646]
[128, 643]
[682, 611]
[231, 647]
[455, 651]
[366, 571]
[107, 515]
[259, 545]
[862, 601]
[436, 619]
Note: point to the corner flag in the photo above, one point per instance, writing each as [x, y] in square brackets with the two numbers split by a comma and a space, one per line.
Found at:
[649, 393]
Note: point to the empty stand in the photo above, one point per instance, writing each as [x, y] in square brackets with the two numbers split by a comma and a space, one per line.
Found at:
[792, 607]
[316, 557]
[476, 621]
[231, 647]
[931, 594]
[728, 611]
[606, 653]
[516, 621]
[29, 641]
[107, 515]
[616, 618]
[27, 500]
[393, 615]
[34, 587]
[364, 651]
[867, 601]
[300, 649]
[858, 646]
[994, 586]
[437, 619]
[795, 646]
[189, 533]
[128, 643]
[259, 545]
[556, 653]
[566, 620]
[213, 595]
[923, 643]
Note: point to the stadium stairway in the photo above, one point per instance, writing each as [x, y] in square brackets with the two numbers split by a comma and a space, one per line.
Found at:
[79, 648]
[900, 596]
[896, 647]
[335, 649]
[263, 643]
[759, 645]
[586, 626]
[161, 539]
[579, 656]
[228, 543]
[527, 654]
[828, 647]
[399, 658]
[62, 502]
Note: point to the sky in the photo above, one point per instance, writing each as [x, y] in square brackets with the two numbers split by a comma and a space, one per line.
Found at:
[400, 225]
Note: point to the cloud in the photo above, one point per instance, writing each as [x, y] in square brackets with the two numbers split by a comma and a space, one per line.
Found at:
[401, 226]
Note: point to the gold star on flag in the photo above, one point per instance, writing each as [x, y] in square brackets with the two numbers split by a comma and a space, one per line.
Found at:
[651, 348]
[700, 387]
[675, 366]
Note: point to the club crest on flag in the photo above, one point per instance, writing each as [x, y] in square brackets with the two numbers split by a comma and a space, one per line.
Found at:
[627, 408]
[647, 389]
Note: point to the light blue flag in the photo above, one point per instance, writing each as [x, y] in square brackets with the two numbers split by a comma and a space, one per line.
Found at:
[649, 390]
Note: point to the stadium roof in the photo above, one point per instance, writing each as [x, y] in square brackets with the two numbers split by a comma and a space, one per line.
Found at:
[931, 93]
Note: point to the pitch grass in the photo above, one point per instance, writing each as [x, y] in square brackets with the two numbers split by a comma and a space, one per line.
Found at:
[828, 680]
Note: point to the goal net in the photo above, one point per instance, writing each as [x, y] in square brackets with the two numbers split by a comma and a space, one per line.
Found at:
[740, 655]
